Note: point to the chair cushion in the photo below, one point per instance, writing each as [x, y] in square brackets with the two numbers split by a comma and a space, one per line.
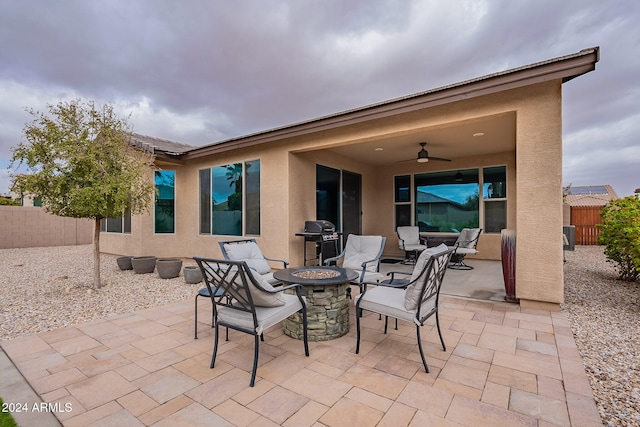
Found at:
[410, 235]
[360, 249]
[266, 316]
[386, 301]
[250, 253]
[467, 238]
[261, 298]
[413, 291]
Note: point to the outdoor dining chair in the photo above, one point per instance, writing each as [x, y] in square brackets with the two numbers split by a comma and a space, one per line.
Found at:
[247, 303]
[248, 250]
[415, 303]
[361, 254]
[465, 244]
[410, 242]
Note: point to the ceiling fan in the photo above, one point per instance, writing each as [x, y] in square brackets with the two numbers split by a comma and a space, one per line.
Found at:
[423, 155]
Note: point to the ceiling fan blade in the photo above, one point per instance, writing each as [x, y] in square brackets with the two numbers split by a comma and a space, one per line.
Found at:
[440, 159]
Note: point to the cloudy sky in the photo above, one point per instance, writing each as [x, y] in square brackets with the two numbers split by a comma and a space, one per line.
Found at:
[200, 71]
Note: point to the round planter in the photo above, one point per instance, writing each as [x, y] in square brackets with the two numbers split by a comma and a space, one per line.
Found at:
[124, 263]
[168, 268]
[143, 264]
[192, 274]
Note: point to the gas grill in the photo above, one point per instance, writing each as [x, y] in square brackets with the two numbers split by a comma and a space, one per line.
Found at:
[323, 238]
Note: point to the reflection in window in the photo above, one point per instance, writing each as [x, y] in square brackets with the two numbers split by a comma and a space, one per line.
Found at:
[447, 201]
[230, 199]
[165, 201]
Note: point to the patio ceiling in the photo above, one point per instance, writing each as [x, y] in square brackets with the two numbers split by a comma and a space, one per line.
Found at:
[450, 141]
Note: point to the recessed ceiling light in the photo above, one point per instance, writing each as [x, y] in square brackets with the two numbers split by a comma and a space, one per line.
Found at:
[379, 149]
[478, 134]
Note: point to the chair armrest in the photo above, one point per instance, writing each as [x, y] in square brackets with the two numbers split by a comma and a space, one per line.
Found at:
[334, 259]
[393, 273]
[284, 263]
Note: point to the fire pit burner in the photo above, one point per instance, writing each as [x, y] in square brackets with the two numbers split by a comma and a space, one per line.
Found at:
[316, 274]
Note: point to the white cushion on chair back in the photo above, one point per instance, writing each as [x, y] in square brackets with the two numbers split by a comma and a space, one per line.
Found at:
[468, 238]
[360, 249]
[250, 253]
[413, 291]
[408, 235]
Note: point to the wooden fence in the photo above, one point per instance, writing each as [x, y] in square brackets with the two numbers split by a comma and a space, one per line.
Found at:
[585, 218]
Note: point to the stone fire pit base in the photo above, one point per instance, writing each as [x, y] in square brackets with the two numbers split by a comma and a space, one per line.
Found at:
[327, 313]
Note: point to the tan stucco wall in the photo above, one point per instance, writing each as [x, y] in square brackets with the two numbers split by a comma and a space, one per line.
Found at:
[534, 188]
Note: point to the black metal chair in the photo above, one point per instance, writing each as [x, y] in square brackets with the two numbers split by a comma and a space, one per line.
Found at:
[410, 242]
[465, 245]
[246, 302]
[248, 250]
[414, 303]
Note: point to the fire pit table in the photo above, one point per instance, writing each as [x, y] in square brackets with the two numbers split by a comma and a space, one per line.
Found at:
[327, 304]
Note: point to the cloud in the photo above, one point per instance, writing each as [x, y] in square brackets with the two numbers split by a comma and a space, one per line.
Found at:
[200, 71]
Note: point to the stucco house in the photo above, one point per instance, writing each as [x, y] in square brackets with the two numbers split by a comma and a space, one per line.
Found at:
[359, 170]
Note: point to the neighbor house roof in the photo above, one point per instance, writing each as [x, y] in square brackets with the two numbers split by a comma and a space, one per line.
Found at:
[563, 68]
[590, 195]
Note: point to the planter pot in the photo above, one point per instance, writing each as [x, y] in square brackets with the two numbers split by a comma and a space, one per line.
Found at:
[124, 263]
[192, 274]
[168, 268]
[508, 238]
[143, 264]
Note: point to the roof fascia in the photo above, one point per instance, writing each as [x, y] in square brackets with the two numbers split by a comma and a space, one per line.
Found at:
[563, 68]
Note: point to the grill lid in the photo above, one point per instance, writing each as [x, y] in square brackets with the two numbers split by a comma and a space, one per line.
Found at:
[319, 226]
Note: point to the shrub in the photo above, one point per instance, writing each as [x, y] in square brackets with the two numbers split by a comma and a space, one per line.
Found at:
[620, 233]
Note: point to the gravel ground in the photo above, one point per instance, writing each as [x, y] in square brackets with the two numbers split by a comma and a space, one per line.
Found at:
[604, 314]
[48, 288]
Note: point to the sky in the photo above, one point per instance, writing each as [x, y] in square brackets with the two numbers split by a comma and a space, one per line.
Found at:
[202, 71]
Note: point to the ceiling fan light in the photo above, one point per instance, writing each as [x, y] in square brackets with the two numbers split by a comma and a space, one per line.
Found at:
[423, 159]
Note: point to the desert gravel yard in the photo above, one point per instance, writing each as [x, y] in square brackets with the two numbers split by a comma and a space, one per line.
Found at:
[48, 288]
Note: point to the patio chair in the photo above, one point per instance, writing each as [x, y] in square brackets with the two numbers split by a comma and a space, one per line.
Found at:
[362, 254]
[416, 303]
[248, 250]
[410, 242]
[465, 244]
[246, 302]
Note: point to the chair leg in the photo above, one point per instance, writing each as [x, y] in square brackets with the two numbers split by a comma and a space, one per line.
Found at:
[255, 360]
[386, 320]
[195, 323]
[215, 346]
[444, 347]
[304, 333]
[424, 361]
[358, 315]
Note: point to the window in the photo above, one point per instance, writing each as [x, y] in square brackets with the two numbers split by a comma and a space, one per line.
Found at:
[164, 211]
[447, 201]
[230, 199]
[116, 225]
[450, 201]
[402, 191]
[495, 199]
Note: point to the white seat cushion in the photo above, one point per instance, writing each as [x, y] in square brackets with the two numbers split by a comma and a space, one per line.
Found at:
[266, 316]
[250, 253]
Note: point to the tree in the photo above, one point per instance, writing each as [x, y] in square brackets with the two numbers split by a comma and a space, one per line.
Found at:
[620, 233]
[81, 164]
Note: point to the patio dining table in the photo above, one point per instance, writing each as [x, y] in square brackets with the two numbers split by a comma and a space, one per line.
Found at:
[325, 289]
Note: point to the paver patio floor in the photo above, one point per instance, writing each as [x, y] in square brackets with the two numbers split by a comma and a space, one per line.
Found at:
[504, 366]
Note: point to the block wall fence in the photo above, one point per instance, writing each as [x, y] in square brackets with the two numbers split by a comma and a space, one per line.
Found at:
[28, 227]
